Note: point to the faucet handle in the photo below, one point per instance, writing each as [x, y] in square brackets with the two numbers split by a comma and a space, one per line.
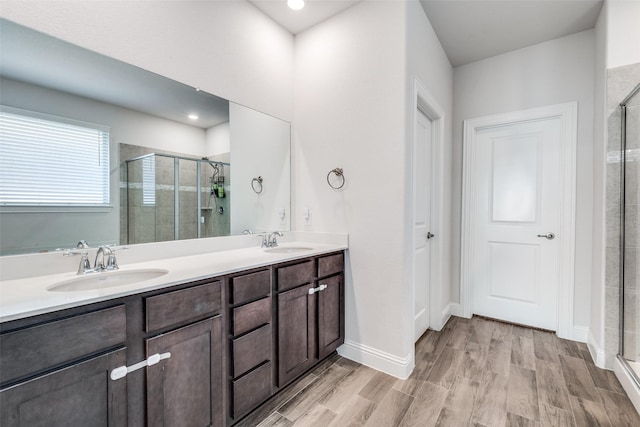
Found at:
[264, 239]
[85, 265]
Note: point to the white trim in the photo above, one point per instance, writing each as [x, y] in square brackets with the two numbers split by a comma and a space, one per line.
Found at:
[579, 333]
[628, 384]
[597, 352]
[399, 367]
[568, 115]
[424, 102]
[455, 309]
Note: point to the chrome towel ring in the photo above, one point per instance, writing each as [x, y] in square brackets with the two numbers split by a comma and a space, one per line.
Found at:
[256, 185]
[339, 173]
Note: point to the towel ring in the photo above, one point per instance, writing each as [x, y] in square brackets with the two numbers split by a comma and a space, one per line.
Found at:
[256, 185]
[338, 172]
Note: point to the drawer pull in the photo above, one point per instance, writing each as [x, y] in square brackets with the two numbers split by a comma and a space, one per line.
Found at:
[122, 371]
[318, 289]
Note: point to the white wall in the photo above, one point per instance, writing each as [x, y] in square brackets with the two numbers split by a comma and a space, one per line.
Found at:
[126, 127]
[596, 321]
[349, 108]
[260, 146]
[623, 32]
[218, 139]
[227, 48]
[553, 72]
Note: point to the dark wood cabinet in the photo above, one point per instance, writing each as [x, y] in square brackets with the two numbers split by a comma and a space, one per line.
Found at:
[250, 342]
[185, 390]
[296, 333]
[330, 315]
[310, 316]
[233, 342]
[79, 395]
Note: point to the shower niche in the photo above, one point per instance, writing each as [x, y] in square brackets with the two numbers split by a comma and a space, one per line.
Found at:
[173, 197]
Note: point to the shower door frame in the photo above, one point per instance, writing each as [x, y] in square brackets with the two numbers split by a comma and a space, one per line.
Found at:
[623, 163]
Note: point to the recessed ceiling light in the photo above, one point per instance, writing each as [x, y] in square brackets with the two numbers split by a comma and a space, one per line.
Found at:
[295, 4]
[193, 117]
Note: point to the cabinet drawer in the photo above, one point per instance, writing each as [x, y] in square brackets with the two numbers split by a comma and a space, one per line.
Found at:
[331, 264]
[251, 350]
[37, 348]
[252, 315]
[250, 390]
[250, 286]
[179, 306]
[295, 275]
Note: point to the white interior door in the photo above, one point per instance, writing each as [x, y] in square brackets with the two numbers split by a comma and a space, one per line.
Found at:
[421, 221]
[516, 247]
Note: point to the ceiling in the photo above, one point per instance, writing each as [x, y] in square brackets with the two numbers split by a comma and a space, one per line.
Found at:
[296, 21]
[469, 30]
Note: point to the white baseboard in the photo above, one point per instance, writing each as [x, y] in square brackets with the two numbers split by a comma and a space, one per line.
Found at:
[580, 334]
[399, 367]
[597, 352]
[628, 384]
[455, 309]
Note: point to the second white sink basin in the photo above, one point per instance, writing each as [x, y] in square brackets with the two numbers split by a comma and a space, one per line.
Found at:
[287, 249]
[106, 280]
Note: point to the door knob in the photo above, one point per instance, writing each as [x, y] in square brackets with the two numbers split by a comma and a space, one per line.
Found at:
[548, 236]
[429, 235]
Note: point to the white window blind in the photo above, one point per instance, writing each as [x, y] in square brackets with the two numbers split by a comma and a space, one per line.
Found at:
[47, 161]
[149, 180]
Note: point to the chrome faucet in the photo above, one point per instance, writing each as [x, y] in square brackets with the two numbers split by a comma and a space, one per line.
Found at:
[273, 242]
[112, 264]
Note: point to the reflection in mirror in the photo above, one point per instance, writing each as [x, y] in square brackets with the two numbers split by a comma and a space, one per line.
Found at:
[170, 174]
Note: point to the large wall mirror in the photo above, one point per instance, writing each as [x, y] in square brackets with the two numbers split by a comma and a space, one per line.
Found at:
[100, 150]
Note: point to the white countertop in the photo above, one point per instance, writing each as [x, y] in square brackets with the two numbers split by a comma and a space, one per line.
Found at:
[26, 297]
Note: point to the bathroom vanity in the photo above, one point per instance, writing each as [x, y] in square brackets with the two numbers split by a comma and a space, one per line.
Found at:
[199, 351]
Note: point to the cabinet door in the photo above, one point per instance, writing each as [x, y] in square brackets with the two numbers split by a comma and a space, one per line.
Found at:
[185, 390]
[330, 315]
[80, 395]
[296, 333]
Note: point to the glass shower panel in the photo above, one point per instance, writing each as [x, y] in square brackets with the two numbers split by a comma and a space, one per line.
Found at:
[188, 199]
[631, 234]
[141, 212]
[165, 199]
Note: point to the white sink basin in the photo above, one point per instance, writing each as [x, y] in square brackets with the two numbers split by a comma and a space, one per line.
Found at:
[287, 249]
[106, 280]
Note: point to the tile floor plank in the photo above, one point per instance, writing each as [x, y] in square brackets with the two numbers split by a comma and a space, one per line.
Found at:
[502, 331]
[544, 346]
[490, 407]
[552, 389]
[339, 395]
[499, 357]
[588, 413]
[550, 416]
[514, 420]
[567, 391]
[620, 410]
[391, 410]
[444, 371]
[458, 407]
[356, 414]
[426, 406]
[578, 379]
[522, 393]
[522, 354]
[482, 331]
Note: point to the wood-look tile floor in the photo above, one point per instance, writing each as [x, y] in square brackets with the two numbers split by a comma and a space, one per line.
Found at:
[475, 372]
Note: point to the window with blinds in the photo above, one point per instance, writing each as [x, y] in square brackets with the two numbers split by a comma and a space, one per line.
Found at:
[50, 161]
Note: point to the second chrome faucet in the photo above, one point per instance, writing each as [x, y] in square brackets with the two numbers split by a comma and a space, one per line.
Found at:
[270, 240]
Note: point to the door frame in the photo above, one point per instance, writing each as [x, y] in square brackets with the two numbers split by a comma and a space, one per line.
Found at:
[568, 115]
[425, 103]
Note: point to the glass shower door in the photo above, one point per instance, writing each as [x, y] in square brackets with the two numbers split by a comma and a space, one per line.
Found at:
[630, 221]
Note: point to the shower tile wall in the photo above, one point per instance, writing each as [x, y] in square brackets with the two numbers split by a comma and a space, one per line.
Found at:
[620, 81]
[157, 223]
